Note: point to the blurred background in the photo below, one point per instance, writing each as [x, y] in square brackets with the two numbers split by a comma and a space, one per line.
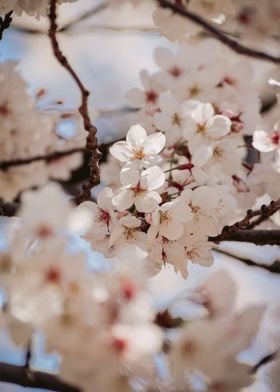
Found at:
[108, 47]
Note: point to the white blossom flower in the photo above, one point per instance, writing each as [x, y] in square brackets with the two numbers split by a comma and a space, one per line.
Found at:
[139, 148]
[148, 97]
[200, 203]
[164, 223]
[203, 123]
[139, 189]
[265, 142]
[46, 212]
[172, 116]
[128, 233]
[101, 214]
[162, 251]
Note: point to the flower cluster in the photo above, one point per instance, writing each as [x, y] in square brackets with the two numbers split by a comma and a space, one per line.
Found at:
[168, 203]
[206, 349]
[247, 19]
[94, 320]
[27, 132]
[102, 323]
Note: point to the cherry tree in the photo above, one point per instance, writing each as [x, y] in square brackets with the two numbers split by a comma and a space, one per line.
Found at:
[199, 166]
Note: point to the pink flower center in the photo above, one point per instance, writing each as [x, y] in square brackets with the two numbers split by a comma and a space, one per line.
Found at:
[151, 96]
[128, 289]
[44, 232]
[104, 216]
[53, 275]
[275, 138]
[119, 344]
[175, 71]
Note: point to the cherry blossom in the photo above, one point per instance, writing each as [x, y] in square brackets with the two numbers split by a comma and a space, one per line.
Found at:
[163, 222]
[265, 142]
[102, 215]
[139, 148]
[139, 189]
[79, 275]
[204, 123]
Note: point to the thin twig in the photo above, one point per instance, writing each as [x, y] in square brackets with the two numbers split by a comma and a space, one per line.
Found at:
[273, 268]
[53, 156]
[218, 34]
[91, 143]
[17, 375]
[264, 361]
[87, 14]
[5, 23]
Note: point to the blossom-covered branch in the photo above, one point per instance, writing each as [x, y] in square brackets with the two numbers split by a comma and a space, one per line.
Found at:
[221, 36]
[5, 23]
[241, 230]
[91, 143]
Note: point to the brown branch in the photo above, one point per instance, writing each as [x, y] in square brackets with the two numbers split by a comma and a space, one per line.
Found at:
[264, 361]
[5, 23]
[273, 268]
[257, 237]
[8, 209]
[91, 143]
[4, 165]
[87, 14]
[248, 223]
[218, 34]
[17, 375]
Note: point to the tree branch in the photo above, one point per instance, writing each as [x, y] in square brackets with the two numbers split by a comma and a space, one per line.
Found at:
[4, 165]
[91, 143]
[273, 268]
[218, 34]
[5, 23]
[8, 209]
[87, 14]
[230, 233]
[17, 375]
[257, 237]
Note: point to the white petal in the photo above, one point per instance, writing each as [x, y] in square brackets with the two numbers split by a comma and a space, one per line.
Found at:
[136, 136]
[104, 199]
[147, 201]
[204, 197]
[167, 103]
[172, 231]
[116, 234]
[154, 143]
[136, 97]
[218, 126]
[129, 176]
[130, 221]
[262, 142]
[202, 113]
[121, 151]
[164, 57]
[152, 178]
[201, 155]
[123, 199]
[190, 128]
